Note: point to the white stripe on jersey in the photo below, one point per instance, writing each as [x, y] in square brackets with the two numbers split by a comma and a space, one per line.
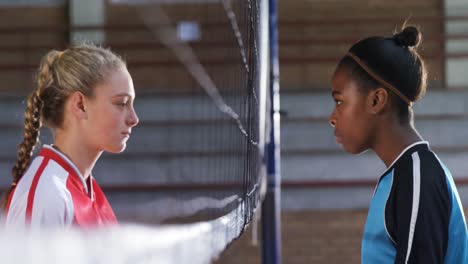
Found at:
[415, 208]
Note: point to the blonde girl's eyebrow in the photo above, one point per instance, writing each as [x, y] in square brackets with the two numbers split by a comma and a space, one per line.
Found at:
[123, 95]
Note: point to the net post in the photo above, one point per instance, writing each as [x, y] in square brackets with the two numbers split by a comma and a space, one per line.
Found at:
[271, 208]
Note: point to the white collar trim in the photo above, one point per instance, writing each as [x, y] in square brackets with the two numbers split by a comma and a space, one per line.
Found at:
[49, 147]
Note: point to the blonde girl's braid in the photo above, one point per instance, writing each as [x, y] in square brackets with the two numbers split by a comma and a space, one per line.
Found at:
[32, 121]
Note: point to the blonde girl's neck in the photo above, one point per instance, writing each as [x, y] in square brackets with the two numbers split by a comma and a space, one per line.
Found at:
[82, 155]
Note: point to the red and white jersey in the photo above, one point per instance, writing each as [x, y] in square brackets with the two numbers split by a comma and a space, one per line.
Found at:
[52, 193]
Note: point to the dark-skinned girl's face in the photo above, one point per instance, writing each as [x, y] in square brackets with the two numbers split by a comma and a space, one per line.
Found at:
[351, 117]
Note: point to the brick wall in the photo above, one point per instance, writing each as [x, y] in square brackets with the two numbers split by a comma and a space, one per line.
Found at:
[305, 61]
[16, 79]
[312, 74]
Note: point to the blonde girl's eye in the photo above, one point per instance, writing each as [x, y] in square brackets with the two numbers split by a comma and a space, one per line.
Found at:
[122, 103]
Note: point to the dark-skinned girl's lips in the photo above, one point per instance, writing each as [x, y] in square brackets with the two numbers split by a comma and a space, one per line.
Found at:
[338, 140]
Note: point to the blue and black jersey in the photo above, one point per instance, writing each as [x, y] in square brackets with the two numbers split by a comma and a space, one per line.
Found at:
[415, 215]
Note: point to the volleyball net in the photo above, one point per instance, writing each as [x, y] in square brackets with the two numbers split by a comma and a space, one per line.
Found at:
[200, 140]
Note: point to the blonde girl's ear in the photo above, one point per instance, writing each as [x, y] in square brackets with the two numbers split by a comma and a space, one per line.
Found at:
[77, 105]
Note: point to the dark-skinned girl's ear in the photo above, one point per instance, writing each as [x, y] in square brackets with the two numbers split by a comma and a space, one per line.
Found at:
[378, 99]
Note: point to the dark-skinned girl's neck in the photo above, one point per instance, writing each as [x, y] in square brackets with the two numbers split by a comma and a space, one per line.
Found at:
[392, 140]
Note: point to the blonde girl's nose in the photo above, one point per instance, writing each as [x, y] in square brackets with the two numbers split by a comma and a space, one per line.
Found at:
[133, 118]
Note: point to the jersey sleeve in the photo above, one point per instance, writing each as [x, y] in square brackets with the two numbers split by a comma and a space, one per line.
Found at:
[418, 209]
[52, 209]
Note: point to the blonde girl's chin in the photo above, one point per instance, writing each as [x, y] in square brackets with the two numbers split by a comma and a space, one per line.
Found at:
[117, 149]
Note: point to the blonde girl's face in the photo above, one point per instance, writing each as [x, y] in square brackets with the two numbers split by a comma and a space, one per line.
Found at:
[110, 113]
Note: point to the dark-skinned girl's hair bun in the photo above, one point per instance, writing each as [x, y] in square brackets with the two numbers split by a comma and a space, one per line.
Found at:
[409, 37]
